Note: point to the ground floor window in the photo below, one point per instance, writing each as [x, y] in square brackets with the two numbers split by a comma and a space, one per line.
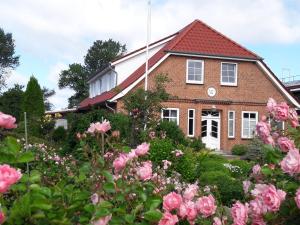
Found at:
[249, 121]
[231, 124]
[170, 114]
[191, 122]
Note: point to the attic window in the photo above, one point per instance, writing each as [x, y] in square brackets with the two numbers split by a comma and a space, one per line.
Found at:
[229, 74]
[194, 71]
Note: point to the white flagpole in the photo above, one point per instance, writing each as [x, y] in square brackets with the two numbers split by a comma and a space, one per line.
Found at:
[147, 44]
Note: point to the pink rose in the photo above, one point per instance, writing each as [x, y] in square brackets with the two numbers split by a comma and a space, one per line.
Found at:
[168, 219]
[7, 121]
[95, 198]
[172, 201]
[257, 207]
[2, 217]
[297, 198]
[293, 116]
[206, 205]
[217, 221]
[166, 164]
[258, 221]
[271, 104]
[102, 220]
[281, 111]
[91, 129]
[142, 149]
[285, 144]
[263, 129]
[8, 177]
[188, 210]
[131, 155]
[246, 185]
[120, 162]
[291, 162]
[145, 172]
[239, 213]
[256, 170]
[102, 127]
[190, 191]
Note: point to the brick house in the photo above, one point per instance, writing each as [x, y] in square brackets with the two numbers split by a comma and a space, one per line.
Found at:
[221, 87]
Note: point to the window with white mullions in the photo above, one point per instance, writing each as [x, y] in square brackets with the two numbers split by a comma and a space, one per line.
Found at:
[170, 114]
[191, 122]
[249, 121]
[229, 74]
[195, 70]
[231, 124]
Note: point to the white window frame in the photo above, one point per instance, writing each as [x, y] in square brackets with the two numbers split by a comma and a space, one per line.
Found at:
[236, 73]
[233, 120]
[243, 136]
[162, 113]
[187, 72]
[188, 123]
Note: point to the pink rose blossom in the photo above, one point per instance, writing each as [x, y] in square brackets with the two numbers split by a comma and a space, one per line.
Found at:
[145, 172]
[269, 140]
[285, 144]
[172, 201]
[271, 104]
[102, 220]
[293, 116]
[256, 170]
[239, 213]
[297, 198]
[120, 162]
[263, 129]
[257, 207]
[190, 191]
[281, 111]
[188, 210]
[102, 127]
[8, 177]
[166, 164]
[258, 221]
[291, 162]
[152, 134]
[95, 198]
[7, 121]
[91, 129]
[142, 149]
[246, 185]
[206, 205]
[168, 219]
[217, 221]
[131, 155]
[2, 217]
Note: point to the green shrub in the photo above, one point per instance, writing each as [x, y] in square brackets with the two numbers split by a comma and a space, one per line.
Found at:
[228, 188]
[245, 167]
[120, 122]
[173, 132]
[59, 134]
[161, 149]
[239, 150]
[255, 151]
[197, 144]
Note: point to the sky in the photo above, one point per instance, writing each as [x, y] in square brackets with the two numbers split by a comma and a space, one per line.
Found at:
[51, 34]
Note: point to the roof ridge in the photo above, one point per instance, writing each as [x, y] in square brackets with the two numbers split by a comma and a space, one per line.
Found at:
[229, 39]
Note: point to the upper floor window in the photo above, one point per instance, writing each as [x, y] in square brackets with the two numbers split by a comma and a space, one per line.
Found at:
[102, 84]
[249, 121]
[170, 114]
[229, 74]
[194, 71]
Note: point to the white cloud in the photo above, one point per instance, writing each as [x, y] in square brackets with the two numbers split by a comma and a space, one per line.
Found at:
[16, 78]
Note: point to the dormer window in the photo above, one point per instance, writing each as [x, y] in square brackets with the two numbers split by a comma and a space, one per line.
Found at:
[194, 71]
[229, 74]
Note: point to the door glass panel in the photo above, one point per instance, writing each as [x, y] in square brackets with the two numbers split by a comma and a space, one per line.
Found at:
[214, 129]
[204, 128]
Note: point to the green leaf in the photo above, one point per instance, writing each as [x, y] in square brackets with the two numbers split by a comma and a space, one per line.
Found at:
[153, 215]
[129, 218]
[109, 187]
[26, 157]
[35, 176]
[13, 145]
[105, 204]
[266, 171]
[108, 176]
[102, 212]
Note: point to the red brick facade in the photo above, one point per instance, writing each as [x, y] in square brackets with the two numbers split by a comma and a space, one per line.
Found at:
[251, 94]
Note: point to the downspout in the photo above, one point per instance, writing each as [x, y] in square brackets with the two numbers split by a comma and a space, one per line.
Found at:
[114, 111]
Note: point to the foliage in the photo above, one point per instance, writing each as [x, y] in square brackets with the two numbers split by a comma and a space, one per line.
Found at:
[255, 150]
[47, 93]
[239, 150]
[160, 149]
[59, 134]
[197, 144]
[33, 103]
[173, 132]
[8, 59]
[11, 101]
[101, 53]
[144, 107]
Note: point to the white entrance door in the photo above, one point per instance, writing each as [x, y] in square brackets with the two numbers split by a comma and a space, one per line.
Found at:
[210, 129]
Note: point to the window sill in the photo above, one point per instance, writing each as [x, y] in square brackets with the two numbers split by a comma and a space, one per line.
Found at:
[229, 84]
[247, 138]
[231, 138]
[193, 82]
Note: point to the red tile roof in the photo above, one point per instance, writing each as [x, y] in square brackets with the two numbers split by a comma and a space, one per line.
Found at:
[196, 37]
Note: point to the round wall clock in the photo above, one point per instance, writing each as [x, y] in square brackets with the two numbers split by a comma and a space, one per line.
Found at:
[211, 92]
